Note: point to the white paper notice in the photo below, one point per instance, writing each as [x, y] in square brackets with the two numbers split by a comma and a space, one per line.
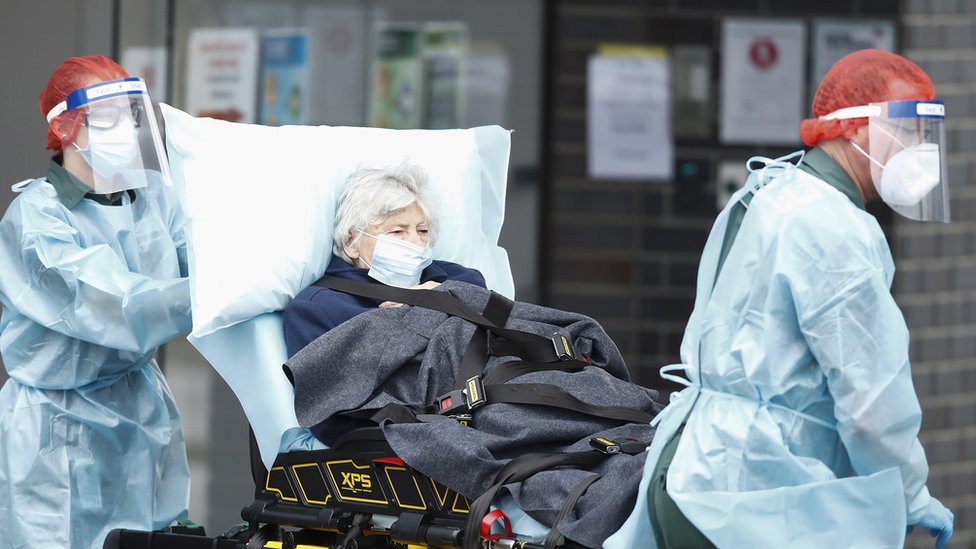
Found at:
[629, 118]
[222, 77]
[762, 81]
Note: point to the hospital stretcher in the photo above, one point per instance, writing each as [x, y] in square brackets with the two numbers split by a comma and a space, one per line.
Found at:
[356, 494]
[359, 493]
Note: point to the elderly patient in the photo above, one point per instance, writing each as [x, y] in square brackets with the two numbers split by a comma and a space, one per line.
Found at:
[384, 228]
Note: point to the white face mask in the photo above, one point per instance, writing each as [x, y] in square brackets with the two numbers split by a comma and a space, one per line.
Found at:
[909, 174]
[397, 262]
[111, 150]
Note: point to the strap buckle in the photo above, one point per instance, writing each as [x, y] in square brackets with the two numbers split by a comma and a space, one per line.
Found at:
[630, 446]
[563, 347]
[463, 401]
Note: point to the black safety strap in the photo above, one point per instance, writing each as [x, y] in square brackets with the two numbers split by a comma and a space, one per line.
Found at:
[440, 301]
[538, 394]
[542, 394]
[554, 536]
[516, 368]
[497, 310]
[543, 350]
[531, 346]
[395, 412]
[518, 470]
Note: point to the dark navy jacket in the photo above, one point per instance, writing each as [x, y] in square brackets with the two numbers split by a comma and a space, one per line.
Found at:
[316, 310]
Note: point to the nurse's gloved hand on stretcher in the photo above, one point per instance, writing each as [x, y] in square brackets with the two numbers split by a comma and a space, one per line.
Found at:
[938, 520]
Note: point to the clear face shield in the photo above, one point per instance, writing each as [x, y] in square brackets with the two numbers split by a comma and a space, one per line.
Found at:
[118, 136]
[906, 148]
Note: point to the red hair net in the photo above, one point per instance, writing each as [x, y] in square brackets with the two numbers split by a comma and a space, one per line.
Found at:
[73, 73]
[859, 78]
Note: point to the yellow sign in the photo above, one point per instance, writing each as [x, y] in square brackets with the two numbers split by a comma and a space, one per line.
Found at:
[631, 50]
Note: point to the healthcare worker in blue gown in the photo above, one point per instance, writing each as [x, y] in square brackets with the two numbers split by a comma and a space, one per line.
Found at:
[92, 280]
[799, 423]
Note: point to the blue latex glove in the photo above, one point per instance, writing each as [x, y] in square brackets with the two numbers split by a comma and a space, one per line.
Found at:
[938, 519]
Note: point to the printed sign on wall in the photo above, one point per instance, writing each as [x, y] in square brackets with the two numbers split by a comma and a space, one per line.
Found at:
[629, 114]
[835, 38]
[762, 81]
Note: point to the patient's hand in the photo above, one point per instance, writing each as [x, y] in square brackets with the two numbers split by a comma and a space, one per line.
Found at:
[429, 285]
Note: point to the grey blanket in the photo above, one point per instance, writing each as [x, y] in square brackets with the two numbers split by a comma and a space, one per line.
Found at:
[410, 355]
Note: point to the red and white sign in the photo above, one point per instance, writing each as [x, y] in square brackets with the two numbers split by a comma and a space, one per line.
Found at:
[222, 76]
[763, 53]
[762, 96]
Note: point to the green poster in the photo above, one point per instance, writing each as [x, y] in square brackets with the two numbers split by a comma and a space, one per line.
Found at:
[396, 83]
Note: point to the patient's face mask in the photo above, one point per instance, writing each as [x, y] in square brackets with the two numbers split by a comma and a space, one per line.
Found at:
[906, 148]
[397, 262]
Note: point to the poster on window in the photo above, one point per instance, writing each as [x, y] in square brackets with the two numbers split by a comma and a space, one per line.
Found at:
[691, 84]
[629, 114]
[222, 74]
[148, 63]
[445, 49]
[835, 38]
[396, 77]
[763, 87]
[284, 78]
[339, 44]
[487, 76]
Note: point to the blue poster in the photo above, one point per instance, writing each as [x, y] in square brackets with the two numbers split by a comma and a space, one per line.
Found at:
[284, 78]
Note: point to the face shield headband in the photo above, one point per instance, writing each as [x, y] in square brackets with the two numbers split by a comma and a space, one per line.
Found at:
[906, 148]
[119, 138]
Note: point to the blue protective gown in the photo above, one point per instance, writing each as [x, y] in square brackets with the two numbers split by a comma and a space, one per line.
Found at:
[90, 436]
[802, 419]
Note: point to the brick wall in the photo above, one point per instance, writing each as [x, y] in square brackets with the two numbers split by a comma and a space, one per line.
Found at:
[936, 279]
[627, 253]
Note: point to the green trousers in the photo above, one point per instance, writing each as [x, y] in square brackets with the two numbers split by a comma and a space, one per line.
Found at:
[671, 529]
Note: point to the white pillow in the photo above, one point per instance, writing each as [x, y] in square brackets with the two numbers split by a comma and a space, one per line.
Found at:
[260, 202]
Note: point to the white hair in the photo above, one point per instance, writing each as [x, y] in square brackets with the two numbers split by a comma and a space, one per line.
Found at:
[372, 194]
